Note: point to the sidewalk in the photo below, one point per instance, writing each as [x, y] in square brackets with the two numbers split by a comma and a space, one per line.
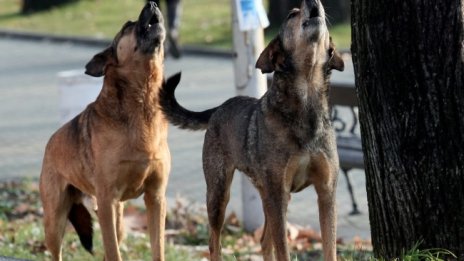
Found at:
[29, 115]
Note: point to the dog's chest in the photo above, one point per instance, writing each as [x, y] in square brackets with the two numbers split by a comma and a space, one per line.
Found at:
[303, 120]
[133, 175]
[298, 172]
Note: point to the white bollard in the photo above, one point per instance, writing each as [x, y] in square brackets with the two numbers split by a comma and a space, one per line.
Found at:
[76, 91]
[248, 45]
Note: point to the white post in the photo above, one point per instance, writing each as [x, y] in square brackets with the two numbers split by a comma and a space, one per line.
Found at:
[76, 90]
[248, 45]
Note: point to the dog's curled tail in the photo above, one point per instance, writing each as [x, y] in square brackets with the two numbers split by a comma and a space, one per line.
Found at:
[81, 220]
[178, 115]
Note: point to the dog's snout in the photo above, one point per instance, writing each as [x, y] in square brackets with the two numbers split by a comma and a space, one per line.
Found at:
[153, 5]
[149, 15]
[312, 8]
[150, 30]
[149, 9]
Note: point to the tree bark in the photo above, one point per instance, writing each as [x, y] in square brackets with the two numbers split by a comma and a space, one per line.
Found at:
[409, 67]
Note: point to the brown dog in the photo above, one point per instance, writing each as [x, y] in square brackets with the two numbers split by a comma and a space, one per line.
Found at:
[116, 149]
[283, 142]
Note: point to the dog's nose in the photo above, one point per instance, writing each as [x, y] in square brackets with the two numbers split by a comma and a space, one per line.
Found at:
[153, 5]
[311, 3]
[149, 10]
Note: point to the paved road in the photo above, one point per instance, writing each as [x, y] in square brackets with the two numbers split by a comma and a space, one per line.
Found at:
[29, 114]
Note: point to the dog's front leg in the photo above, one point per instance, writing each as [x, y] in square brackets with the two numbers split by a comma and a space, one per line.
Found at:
[275, 203]
[155, 201]
[156, 214]
[325, 185]
[327, 220]
[107, 219]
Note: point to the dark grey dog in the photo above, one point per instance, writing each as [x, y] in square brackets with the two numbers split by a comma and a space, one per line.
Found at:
[283, 142]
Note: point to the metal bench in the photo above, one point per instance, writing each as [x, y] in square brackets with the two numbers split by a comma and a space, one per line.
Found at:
[349, 144]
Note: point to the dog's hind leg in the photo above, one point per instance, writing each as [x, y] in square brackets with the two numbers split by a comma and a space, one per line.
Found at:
[57, 202]
[218, 177]
[107, 219]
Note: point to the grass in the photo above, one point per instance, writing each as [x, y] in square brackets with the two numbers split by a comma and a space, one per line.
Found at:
[21, 235]
[25, 241]
[434, 254]
[204, 22]
[341, 35]
[21, 231]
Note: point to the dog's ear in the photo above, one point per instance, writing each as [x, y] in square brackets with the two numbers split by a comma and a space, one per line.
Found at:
[335, 59]
[96, 66]
[173, 81]
[272, 58]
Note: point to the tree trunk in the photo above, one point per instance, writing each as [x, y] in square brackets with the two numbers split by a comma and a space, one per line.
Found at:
[409, 65]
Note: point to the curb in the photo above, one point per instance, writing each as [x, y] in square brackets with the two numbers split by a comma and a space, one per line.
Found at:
[96, 42]
[4, 258]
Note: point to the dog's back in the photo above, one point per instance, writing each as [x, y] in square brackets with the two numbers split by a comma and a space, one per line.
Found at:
[255, 126]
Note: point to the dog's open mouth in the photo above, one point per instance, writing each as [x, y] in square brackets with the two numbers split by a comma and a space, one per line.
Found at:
[153, 20]
[314, 16]
[150, 30]
[314, 13]
[149, 16]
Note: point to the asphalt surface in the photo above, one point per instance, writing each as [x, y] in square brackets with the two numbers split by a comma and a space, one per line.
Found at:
[30, 112]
